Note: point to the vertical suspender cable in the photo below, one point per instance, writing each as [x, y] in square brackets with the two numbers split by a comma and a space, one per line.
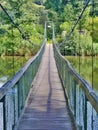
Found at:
[92, 39]
[13, 50]
[80, 32]
[79, 43]
[92, 53]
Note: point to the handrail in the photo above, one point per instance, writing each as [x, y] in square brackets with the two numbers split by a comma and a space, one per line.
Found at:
[13, 94]
[82, 100]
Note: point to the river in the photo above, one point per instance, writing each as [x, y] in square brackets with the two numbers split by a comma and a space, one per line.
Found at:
[9, 66]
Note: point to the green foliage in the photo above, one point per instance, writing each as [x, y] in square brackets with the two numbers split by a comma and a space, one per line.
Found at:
[30, 18]
[92, 24]
[80, 42]
[68, 14]
[65, 26]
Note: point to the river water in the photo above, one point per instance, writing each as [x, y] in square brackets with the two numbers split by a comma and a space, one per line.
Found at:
[9, 66]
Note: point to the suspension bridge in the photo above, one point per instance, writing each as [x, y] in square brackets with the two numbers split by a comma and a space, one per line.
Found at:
[47, 93]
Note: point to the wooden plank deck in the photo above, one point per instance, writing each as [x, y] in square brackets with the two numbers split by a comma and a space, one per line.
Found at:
[46, 106]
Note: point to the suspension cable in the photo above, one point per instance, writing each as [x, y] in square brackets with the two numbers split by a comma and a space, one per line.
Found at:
[79, 17]
[15, 25]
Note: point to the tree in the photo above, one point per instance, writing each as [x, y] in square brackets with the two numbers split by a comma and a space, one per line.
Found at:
[53, 4]
[89, 27]
[28, 17]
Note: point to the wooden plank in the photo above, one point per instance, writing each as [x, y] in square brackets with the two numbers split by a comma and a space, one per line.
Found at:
[46, 107]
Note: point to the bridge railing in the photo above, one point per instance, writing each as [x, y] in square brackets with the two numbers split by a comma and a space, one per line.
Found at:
[82, 100]
[14, 93]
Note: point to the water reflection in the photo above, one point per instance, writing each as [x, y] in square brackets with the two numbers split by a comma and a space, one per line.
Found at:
[9, 66]
[83, 65]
